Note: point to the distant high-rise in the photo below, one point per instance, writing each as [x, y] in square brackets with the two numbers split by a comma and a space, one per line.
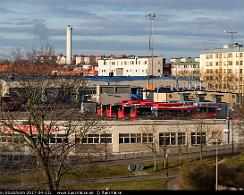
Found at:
[68, 44]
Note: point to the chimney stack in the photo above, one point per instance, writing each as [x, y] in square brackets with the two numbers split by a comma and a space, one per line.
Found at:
[69, 44]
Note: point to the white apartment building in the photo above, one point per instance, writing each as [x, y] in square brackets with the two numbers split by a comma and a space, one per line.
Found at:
[185, 67]
[223, 68]
[133, 66]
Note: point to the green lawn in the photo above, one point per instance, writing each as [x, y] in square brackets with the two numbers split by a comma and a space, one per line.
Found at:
[109, 171]
[146, 184]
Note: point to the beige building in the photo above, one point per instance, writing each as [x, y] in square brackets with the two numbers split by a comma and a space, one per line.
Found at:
[186, 67]
[125, 136]
[222, 69]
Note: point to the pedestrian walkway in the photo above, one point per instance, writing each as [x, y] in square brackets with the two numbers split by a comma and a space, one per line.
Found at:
[174, 184]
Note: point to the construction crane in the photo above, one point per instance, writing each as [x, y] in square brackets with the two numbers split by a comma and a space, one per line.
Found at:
[151, 16]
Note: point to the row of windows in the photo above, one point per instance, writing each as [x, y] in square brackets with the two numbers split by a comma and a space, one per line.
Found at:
[128, 138]
[113, 90]
[220, 55]
[104, 70]
[95, 139]
[224, 71]
[168, 138]
[60, 138]
[225, 63]
[185, 66]
[128, 62]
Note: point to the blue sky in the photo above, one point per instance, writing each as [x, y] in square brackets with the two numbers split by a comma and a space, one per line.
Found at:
[181, 27]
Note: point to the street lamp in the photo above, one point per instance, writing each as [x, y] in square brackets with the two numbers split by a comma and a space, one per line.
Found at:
[216, 164]
[167, 165]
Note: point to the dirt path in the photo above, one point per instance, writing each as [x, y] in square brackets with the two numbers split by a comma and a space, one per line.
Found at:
[174, 184]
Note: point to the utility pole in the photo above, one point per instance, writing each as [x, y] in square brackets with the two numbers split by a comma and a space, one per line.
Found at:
[151, 16]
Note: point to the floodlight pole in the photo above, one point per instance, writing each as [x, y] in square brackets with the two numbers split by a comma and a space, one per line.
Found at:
[151, 16]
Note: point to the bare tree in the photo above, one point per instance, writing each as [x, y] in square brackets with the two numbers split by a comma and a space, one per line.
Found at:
[51, 122]
[201, 135]
[151, 141]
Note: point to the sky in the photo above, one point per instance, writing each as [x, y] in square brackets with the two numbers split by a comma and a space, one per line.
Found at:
[182, 28]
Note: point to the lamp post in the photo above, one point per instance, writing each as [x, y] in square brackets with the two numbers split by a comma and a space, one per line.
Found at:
[167, 165]
[232, 140]
[216, 164]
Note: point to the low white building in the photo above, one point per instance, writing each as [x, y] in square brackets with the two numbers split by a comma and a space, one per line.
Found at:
[131, 66]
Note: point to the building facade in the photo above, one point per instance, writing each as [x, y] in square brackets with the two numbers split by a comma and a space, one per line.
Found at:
[186, 67]
[130, 66]
[222, 69]
[130, 136]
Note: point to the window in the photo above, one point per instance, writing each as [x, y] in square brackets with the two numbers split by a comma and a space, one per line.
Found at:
[107, 90]
[122, 90]
[198, 138]
[124, 138]
[181, 138]
[94, 139]
[58, 139]
[147, 138]
[9, 138]
[167, 138]
[135, 138]
[106, 138]
[129, 138]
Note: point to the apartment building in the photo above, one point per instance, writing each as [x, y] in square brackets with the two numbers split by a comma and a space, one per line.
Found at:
[222, 69]
[131, 66]
[186, 67]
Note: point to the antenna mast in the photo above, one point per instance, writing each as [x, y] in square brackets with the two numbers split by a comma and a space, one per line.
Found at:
[151, 16]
